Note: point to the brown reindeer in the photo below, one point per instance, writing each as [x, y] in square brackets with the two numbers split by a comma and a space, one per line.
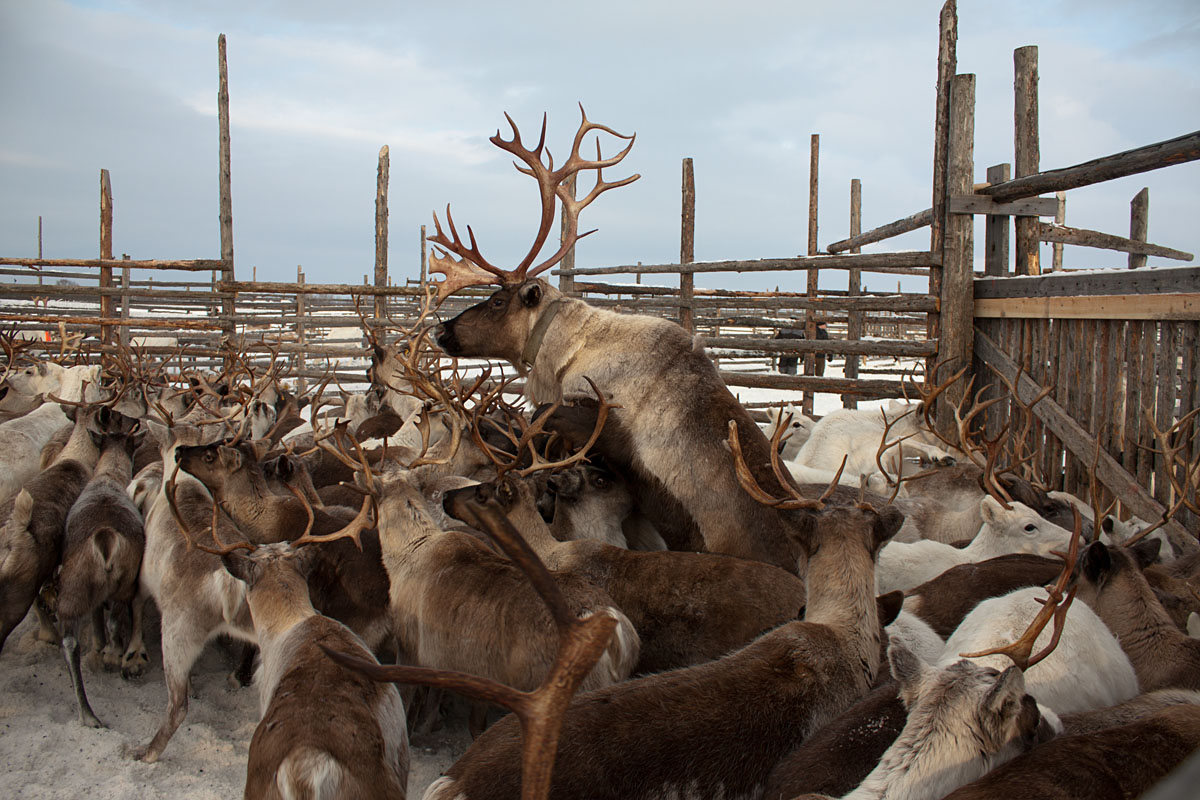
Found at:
[101, 558]
[716, 729]
[1110, 580]
[1112, 764]
[688, 608]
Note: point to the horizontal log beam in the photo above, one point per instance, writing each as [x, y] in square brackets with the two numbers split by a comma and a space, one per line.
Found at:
[811, 383]
[982, 204]
[1131, 162]
[1106, 241]
[862, 347]
[913, 222]
[868, 262]
[193, 265]
[1116, 306]
[352, 289]
[133, 322]
[1160, 280]
[1082, 445]
[34, 290]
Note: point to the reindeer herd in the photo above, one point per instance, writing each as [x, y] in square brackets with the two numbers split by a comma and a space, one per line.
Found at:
[673, 601]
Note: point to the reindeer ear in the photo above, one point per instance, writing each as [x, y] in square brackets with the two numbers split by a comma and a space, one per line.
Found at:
[1096, 561]
[891, 519]
[284, 467]
[1146, 552]
[97, 438]
[1008, 687]
[889, 606]
[530, 293]
[1108, 524]
[990, 510]
[907, 669]
[241, 567]
[71, 412]
[231, 457]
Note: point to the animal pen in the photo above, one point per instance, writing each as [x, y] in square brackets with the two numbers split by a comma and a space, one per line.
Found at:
[1115, 349]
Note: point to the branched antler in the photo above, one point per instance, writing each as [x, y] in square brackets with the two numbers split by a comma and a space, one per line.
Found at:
[745, 476]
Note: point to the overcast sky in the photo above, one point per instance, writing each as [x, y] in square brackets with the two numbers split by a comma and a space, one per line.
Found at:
[317, 87]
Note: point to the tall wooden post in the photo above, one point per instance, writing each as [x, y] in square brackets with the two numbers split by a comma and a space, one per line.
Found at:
[39, 248]
[381, 231]
[1027, 154]
[687, 247]
[854, 322]
[226, 210]
[123, 333]
[814, 274]
[957, 343]
[1139, 223]
[1060, 218]
[995, 230]
[301, 330]
[424, 276]
[947, 66]
[106, 252]
[566, 283]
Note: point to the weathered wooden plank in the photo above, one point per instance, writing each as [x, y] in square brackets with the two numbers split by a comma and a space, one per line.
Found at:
[1179, 150]
[810, 319]
[957, 296]
[1133, 397]
[868, 262]
[1121, 306]
[1083, 445]
[1027, 154]
[947, 68]
[687, 246]
[1139, 220]
[1060, 218]
[996, 228]
[1106, 241]
[863, 388]
[1148, 398]
[135, 322]
[352, 289]
[189, 265]
[381, 229]
[1161, 280]
[891, 347]
[982, 204]
[854, 325]
[225, 212]
[912, 222]
[1167, 374]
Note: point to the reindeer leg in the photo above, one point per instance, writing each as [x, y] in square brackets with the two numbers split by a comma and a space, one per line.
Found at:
[182, 642]
[116, 619]
[135, 660]
[48, 627]
[98, 640]
[244, 673]
[70, 647]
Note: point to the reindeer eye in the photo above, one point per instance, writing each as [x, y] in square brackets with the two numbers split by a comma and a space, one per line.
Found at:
[1030, 528]
[210, 456]
[497, 302]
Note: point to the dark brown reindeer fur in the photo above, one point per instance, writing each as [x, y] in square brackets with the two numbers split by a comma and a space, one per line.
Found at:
[670, 401]
[717, 729]
[688, 608]
[1113, 764]
[102, 555]
[326, 731]
[1110, 580]
[836, 758]
[345, 583]
[31, 541]
[1130, 711]
[944, 601]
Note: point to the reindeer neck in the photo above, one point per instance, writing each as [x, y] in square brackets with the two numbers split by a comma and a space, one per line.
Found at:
[116, 464]
[841, 595]
[525, 518]
[80, 447]
[1138, 619]
[919, 760]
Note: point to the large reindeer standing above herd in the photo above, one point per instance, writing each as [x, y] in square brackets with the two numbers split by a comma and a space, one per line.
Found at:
[651, 582]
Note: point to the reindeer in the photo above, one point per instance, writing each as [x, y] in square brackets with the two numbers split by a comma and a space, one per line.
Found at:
[31, 540]
[1111, 764]
[688, 608]
[1133, 710]
[102, 554]
[1111, 582]
[673, 406]
[21, 443]
[704, 731]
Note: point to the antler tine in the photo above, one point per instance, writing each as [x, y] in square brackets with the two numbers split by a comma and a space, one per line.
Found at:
[884, 446]
[540, 464]
[1053, 607]
[750, 485]
[1191, 471]
[353, 530]
[581, 642]
[222, 549]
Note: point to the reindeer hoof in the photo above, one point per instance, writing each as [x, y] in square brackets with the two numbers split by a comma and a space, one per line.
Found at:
[47, 635]
[91, 721]
[141, 754]
[93, 661]
[133, 665]
[111, 658]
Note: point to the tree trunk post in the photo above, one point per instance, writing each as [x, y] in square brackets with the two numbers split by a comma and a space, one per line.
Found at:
[995, 230]
[381, 231]
[854, 322]
[1027, 152]
[106, 252]
[687, 247]
[1139, 224]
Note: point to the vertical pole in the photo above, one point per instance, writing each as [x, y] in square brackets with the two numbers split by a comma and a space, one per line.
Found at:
[381, 230]
[226, 211]
[995, 229]
[947, 66]
[687, 247]
[566, 283]
[957, 343]
[1027, 154]
[1060, 218]
[854, 323]
[300, 331]
[106, 252]
[810, 315]
[39, 248]
[1139, 223]
[424, 267]
[123, 333]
